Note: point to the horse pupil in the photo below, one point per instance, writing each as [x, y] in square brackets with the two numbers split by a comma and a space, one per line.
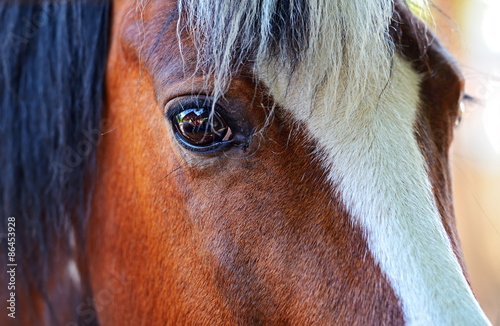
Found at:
[196, 127]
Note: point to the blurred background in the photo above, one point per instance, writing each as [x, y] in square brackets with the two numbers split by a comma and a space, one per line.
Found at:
[470, 29]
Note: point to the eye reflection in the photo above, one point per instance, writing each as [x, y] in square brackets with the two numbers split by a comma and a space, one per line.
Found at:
[197, 128]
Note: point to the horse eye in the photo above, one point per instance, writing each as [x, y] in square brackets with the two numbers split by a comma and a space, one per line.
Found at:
[197, 128]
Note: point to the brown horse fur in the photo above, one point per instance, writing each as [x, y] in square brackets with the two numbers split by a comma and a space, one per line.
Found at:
[257, 235]
[196, 237]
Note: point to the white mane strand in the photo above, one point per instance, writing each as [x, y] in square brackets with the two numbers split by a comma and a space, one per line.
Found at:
[295, 43]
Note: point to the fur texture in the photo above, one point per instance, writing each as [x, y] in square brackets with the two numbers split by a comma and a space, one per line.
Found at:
[374, 160]
[364, 206]
[359, 102]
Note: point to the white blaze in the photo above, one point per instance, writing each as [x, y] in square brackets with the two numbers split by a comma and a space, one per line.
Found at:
[374, 160]
[363, 125]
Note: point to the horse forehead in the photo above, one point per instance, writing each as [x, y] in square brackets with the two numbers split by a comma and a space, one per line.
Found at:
[149, 34]
[371, 151]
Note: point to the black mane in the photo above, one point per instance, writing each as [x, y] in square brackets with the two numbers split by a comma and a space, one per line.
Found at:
[52, 56]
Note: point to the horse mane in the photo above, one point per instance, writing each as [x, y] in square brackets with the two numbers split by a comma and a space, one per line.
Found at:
[53, 57]
[341, 47]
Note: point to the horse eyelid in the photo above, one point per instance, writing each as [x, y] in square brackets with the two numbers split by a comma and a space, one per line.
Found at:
[175, 106]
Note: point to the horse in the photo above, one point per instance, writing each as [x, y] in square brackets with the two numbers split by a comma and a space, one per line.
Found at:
[228, 162]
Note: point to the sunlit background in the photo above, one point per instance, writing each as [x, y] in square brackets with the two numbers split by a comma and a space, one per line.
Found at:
[470, 29]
